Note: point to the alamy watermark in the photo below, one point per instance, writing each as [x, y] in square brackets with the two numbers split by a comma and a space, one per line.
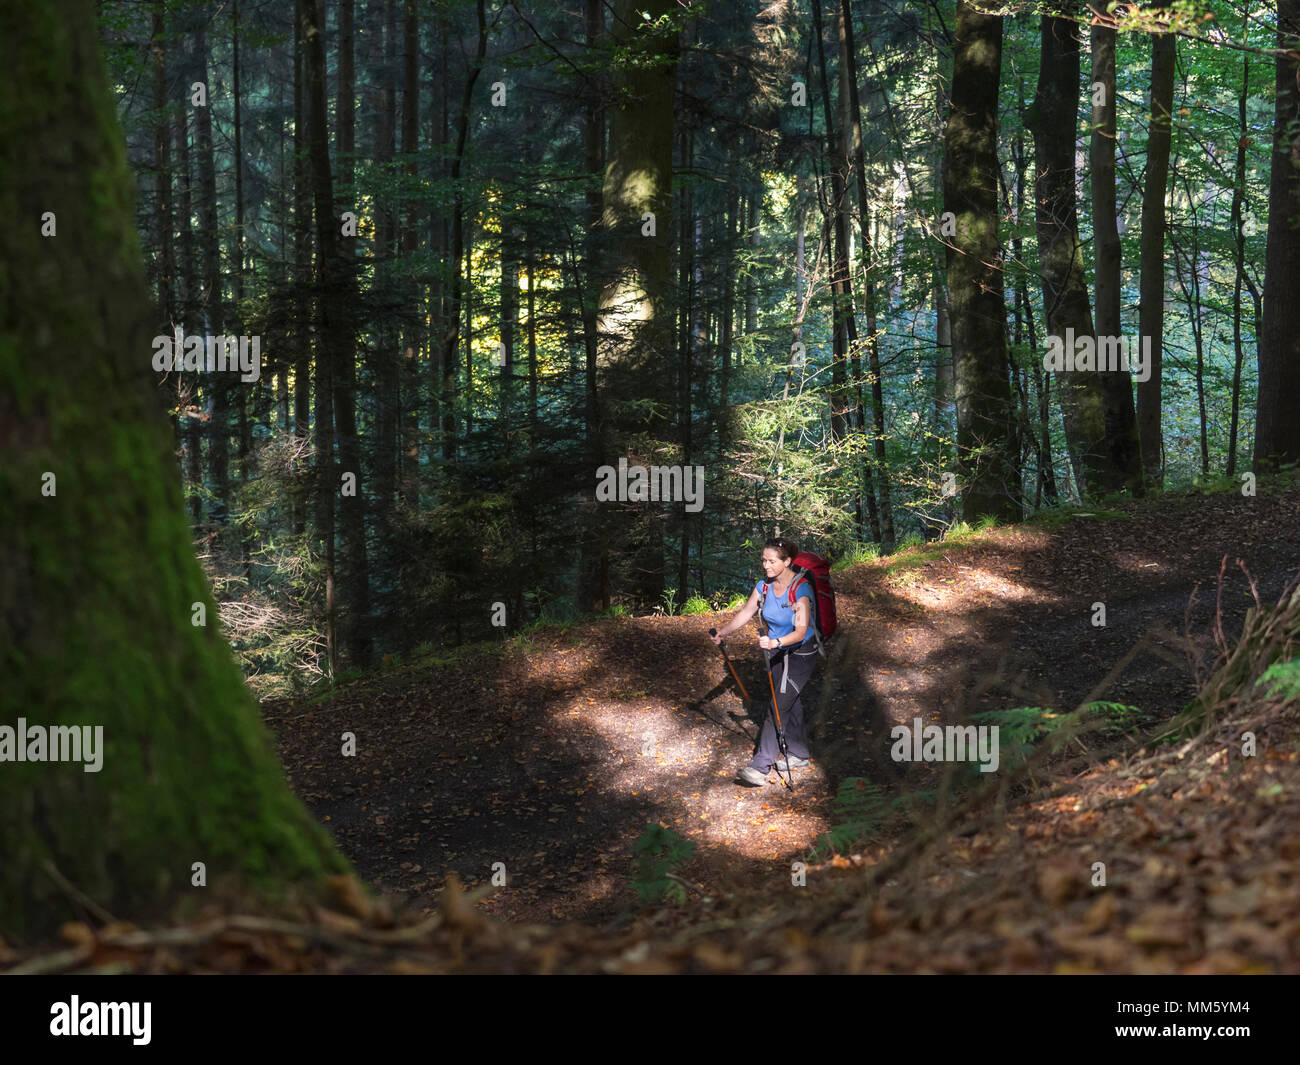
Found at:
[56, 743]
[946, 743]
[1106, 353]
[211, 354]
[637, 484]
[75, 1017]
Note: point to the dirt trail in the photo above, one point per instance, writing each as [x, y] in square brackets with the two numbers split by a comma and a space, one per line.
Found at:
[551, 759]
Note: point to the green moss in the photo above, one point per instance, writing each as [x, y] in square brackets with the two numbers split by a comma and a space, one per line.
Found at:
[1061, 515]
[98, 580]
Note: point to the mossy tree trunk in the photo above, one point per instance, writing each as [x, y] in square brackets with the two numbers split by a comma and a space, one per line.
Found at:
[975, 283]
[98, 582]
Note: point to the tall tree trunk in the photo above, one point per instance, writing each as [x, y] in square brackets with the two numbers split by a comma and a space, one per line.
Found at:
[843, 323]
[945, 381]
[245, 439]
[509, 300]
[450, 343]
[1191, 289]
[1151, 315]
[218, 386]
[302, 275]
[636, 316]
[729, 299]
[187, 387]
[162, 170]
[324, 315]
[975, 284]
[688, 278]
[530, 274]
[337, 352]
[381, 54]
[1277, 429]
[879, 478]
[593, 568]
[1065, 285]
[1238, 251]
[165, 271]
[186, 765]
[1123, 448]
[440, 242]
[409, 419]
[1041, 434]
[754, 235]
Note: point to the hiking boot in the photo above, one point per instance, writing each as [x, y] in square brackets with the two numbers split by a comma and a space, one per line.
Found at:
[794, 763]
[752, 777]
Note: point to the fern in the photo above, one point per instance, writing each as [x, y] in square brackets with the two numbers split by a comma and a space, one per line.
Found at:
[659, 852]
[1019, 729]
[1120, 714]
[860, 809]
[1283, 680]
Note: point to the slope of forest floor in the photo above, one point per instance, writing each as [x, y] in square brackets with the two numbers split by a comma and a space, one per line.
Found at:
[550, 756]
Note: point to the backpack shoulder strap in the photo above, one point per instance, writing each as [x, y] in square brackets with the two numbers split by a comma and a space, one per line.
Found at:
[814, 617]
[800, 575]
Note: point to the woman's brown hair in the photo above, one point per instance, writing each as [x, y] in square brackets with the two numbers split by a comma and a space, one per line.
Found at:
[785, 548]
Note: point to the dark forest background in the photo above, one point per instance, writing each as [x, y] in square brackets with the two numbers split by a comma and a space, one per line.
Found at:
[814, 247]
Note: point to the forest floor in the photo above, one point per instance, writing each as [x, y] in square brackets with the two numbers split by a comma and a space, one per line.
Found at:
[552, 755]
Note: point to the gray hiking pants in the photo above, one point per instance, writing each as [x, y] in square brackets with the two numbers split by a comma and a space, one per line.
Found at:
[791, 671]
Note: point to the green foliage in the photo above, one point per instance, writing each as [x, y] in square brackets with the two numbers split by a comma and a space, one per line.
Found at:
[1020, 729]
[659, 852]
[856, 555]
[1283, 680]
[1216, 485]
[548, 609]
[522, 640]
[862, 809]
[1121, 717]
[696, 604]
[776, 459]
[273, 616]
[668, 604]
[1060, 515]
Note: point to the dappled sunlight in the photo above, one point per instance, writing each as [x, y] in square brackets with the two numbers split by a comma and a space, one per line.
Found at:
[553, 758]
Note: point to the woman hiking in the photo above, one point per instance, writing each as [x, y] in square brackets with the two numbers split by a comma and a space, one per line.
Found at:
[791, 642]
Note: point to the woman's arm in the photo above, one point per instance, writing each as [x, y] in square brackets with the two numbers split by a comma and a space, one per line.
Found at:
[741, 619]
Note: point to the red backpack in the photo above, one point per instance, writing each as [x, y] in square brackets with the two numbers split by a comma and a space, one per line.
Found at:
[808, 566]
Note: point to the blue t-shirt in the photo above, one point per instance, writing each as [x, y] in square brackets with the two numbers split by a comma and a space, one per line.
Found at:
[778, 611]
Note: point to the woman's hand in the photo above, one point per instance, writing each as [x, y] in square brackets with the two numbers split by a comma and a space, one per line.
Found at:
[716, 637]
[768, 643]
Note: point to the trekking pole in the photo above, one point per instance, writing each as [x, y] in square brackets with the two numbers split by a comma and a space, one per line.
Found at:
[776, 714]
[743, 694]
